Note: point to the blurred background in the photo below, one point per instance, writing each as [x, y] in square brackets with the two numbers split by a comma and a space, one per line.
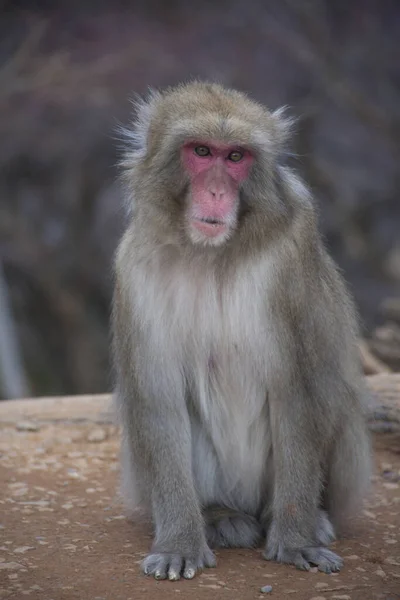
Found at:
[67, 71]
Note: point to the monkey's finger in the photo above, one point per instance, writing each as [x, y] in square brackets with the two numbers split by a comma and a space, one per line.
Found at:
[190, 570]
[209, 558]
[175, 568]
[157, 565]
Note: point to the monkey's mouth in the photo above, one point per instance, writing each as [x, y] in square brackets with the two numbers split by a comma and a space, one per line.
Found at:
[211, 221]
[209, 226]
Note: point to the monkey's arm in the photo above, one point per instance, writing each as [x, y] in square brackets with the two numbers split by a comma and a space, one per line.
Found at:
[156, 432]
[297, 443]
[315, 418]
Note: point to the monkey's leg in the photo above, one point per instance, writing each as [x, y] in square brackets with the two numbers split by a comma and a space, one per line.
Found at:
[227, 528]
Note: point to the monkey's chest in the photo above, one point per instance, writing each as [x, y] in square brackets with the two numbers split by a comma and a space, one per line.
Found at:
[231, 429]
[225, 354]
[228, 389]
[219, 335]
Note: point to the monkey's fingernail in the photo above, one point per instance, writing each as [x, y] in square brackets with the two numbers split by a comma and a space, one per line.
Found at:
[189, 573]
[159, 574]
[173, 575]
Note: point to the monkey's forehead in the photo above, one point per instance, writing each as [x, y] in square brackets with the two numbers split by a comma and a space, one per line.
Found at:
[208, 111]
[201, 100]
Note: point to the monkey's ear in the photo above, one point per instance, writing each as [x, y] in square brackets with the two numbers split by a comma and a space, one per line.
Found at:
[137, 136]
[284, 125]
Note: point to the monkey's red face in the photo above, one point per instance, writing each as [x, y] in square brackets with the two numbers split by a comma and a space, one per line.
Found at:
[216, 172]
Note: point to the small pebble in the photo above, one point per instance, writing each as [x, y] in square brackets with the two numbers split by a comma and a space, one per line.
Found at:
[386, 466]
[212, 586]
[391, 475]
[27, 426]
[73, 473]
[75, 454]
[266, 589]
[23, 549]
[391, 486]
[318, 598]
[97, 435]
[341, 597]
[391, 561]
[10, 565]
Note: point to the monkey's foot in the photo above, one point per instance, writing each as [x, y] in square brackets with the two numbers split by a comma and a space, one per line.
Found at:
[326, 560]
[165, 565]
[226, 528]
[325, 533]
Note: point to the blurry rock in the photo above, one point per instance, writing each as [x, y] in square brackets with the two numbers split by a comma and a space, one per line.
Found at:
[266, 589]
[370, 363]
[27, 426]
[97, 435]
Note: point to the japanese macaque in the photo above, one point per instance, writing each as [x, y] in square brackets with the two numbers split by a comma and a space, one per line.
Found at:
[239, 389]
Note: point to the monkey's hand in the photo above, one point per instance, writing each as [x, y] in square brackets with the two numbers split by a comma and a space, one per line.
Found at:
[171, 565]
[300, 556]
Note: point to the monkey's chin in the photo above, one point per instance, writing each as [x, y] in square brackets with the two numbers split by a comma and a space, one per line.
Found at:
[209, 234]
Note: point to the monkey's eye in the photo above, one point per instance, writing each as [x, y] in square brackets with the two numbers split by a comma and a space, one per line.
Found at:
[235, 156]
[202, 150]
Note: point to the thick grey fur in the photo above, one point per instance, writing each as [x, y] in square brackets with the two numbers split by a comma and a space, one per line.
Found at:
[239, 388]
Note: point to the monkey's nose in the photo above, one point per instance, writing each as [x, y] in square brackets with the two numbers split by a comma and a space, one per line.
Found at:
[217, 194]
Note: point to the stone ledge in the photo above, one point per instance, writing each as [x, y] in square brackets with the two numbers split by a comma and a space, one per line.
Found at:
[91, 408]
[64, 535]
[97, 408]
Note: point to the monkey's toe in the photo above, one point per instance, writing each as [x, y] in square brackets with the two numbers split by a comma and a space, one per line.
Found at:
[157, 565]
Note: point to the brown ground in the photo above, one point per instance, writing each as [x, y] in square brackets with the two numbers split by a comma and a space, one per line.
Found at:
[63, 535]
